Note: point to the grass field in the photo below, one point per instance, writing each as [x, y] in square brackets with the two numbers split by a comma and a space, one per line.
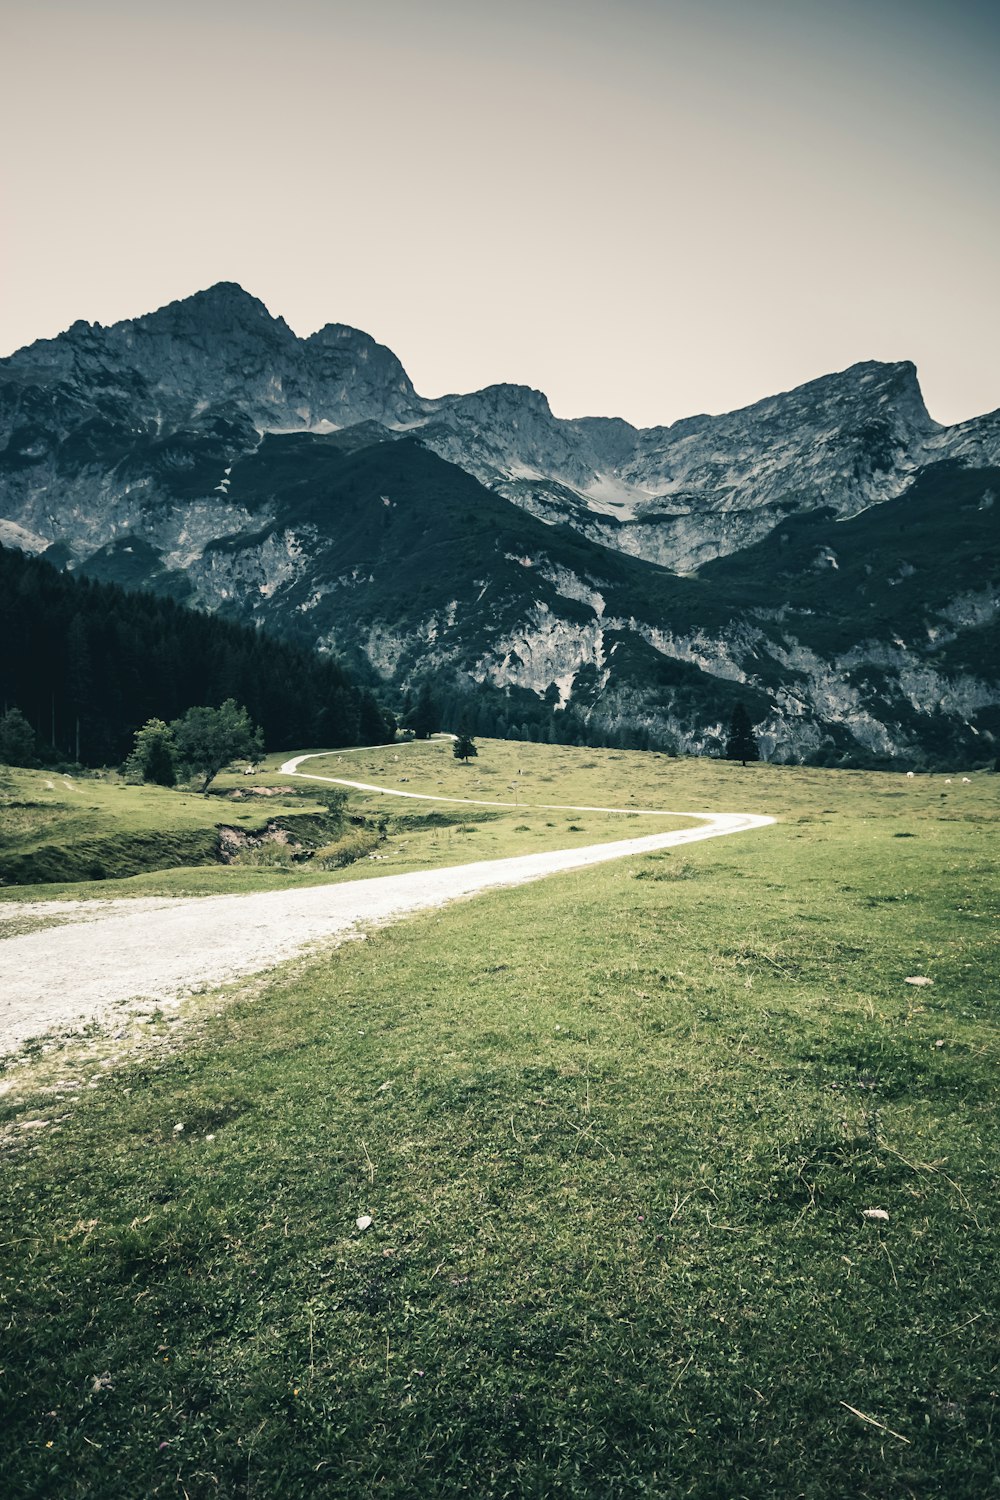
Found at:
[163, 842]
[619, 1136]
[58, 830]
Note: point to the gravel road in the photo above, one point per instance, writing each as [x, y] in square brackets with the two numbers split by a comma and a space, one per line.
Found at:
[105, 953]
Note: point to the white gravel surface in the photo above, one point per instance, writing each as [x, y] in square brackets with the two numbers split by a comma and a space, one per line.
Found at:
[105, 954]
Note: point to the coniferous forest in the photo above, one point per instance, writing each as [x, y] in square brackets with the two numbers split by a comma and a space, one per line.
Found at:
[87, 663]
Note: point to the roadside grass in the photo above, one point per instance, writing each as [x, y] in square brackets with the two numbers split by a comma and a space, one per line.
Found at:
[145, 825]
[423, 836]
[60, 830]
[617, 1134]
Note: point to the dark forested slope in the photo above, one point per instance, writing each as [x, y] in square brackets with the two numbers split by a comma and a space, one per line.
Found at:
[88, 662]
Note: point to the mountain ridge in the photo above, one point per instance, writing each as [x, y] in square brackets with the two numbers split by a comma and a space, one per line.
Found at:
[207, 451]
[666, 486]
[231, 296]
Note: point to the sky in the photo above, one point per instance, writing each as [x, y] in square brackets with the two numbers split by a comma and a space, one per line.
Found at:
[646, 209]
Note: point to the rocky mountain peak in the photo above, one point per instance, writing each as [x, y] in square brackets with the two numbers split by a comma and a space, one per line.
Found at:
[333, 335]
[338, 352]
[507, 431]
[352, 379]
[892, 383]
[222, 315]
[678, 495]
[506, 396]
[224, 299]
[137, 451]
[82, 346]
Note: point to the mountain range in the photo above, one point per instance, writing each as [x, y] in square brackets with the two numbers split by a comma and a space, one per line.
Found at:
[828, 556]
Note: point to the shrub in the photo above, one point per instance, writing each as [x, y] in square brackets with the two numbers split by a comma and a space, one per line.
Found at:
[271, 854]
[344, 851]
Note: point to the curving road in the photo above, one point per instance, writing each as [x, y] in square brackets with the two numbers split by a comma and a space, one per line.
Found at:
[106, 955]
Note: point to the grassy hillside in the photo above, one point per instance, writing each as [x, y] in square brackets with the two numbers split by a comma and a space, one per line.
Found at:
[147, 841]
[90, 833]
[620, 1136]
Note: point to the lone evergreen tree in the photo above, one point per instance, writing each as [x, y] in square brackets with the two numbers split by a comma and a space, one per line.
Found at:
[741, 745]
[464, 747]
[153, 757]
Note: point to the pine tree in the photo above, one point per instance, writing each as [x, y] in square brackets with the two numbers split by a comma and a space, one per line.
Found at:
[464, 747]
[741, 745]
[373, 723]
[153, 757]
[79, 676]
[424, 718]
[18, 746]
[96, 662]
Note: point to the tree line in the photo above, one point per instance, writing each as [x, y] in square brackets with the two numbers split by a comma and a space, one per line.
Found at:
[87, 663]
[491, 714]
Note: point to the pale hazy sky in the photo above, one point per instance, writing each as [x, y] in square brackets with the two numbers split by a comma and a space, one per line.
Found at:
[647, 208]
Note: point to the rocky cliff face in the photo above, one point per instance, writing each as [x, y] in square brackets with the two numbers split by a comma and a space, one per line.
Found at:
[205, 450]
[219, 353]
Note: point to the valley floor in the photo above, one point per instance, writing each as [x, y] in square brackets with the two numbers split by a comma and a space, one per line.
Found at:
[104, 956]
[674, 1176]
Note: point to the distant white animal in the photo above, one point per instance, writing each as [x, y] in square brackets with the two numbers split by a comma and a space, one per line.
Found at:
[909, 775]
[947, 781]
[966, 781]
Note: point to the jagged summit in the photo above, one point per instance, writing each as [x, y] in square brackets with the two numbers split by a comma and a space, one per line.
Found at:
[866, 381]
[506, 392]
[344, 333]
[679, 494]
[887, 381]
[221, 294]
[340, 352]
[226, 314]
[223, 307]
[207, 451]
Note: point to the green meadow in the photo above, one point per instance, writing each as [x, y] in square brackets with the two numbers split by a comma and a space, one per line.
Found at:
[92, 834]
[64, 837]
[658, 1179]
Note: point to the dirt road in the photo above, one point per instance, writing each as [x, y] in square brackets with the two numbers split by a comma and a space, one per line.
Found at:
[104, 954]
